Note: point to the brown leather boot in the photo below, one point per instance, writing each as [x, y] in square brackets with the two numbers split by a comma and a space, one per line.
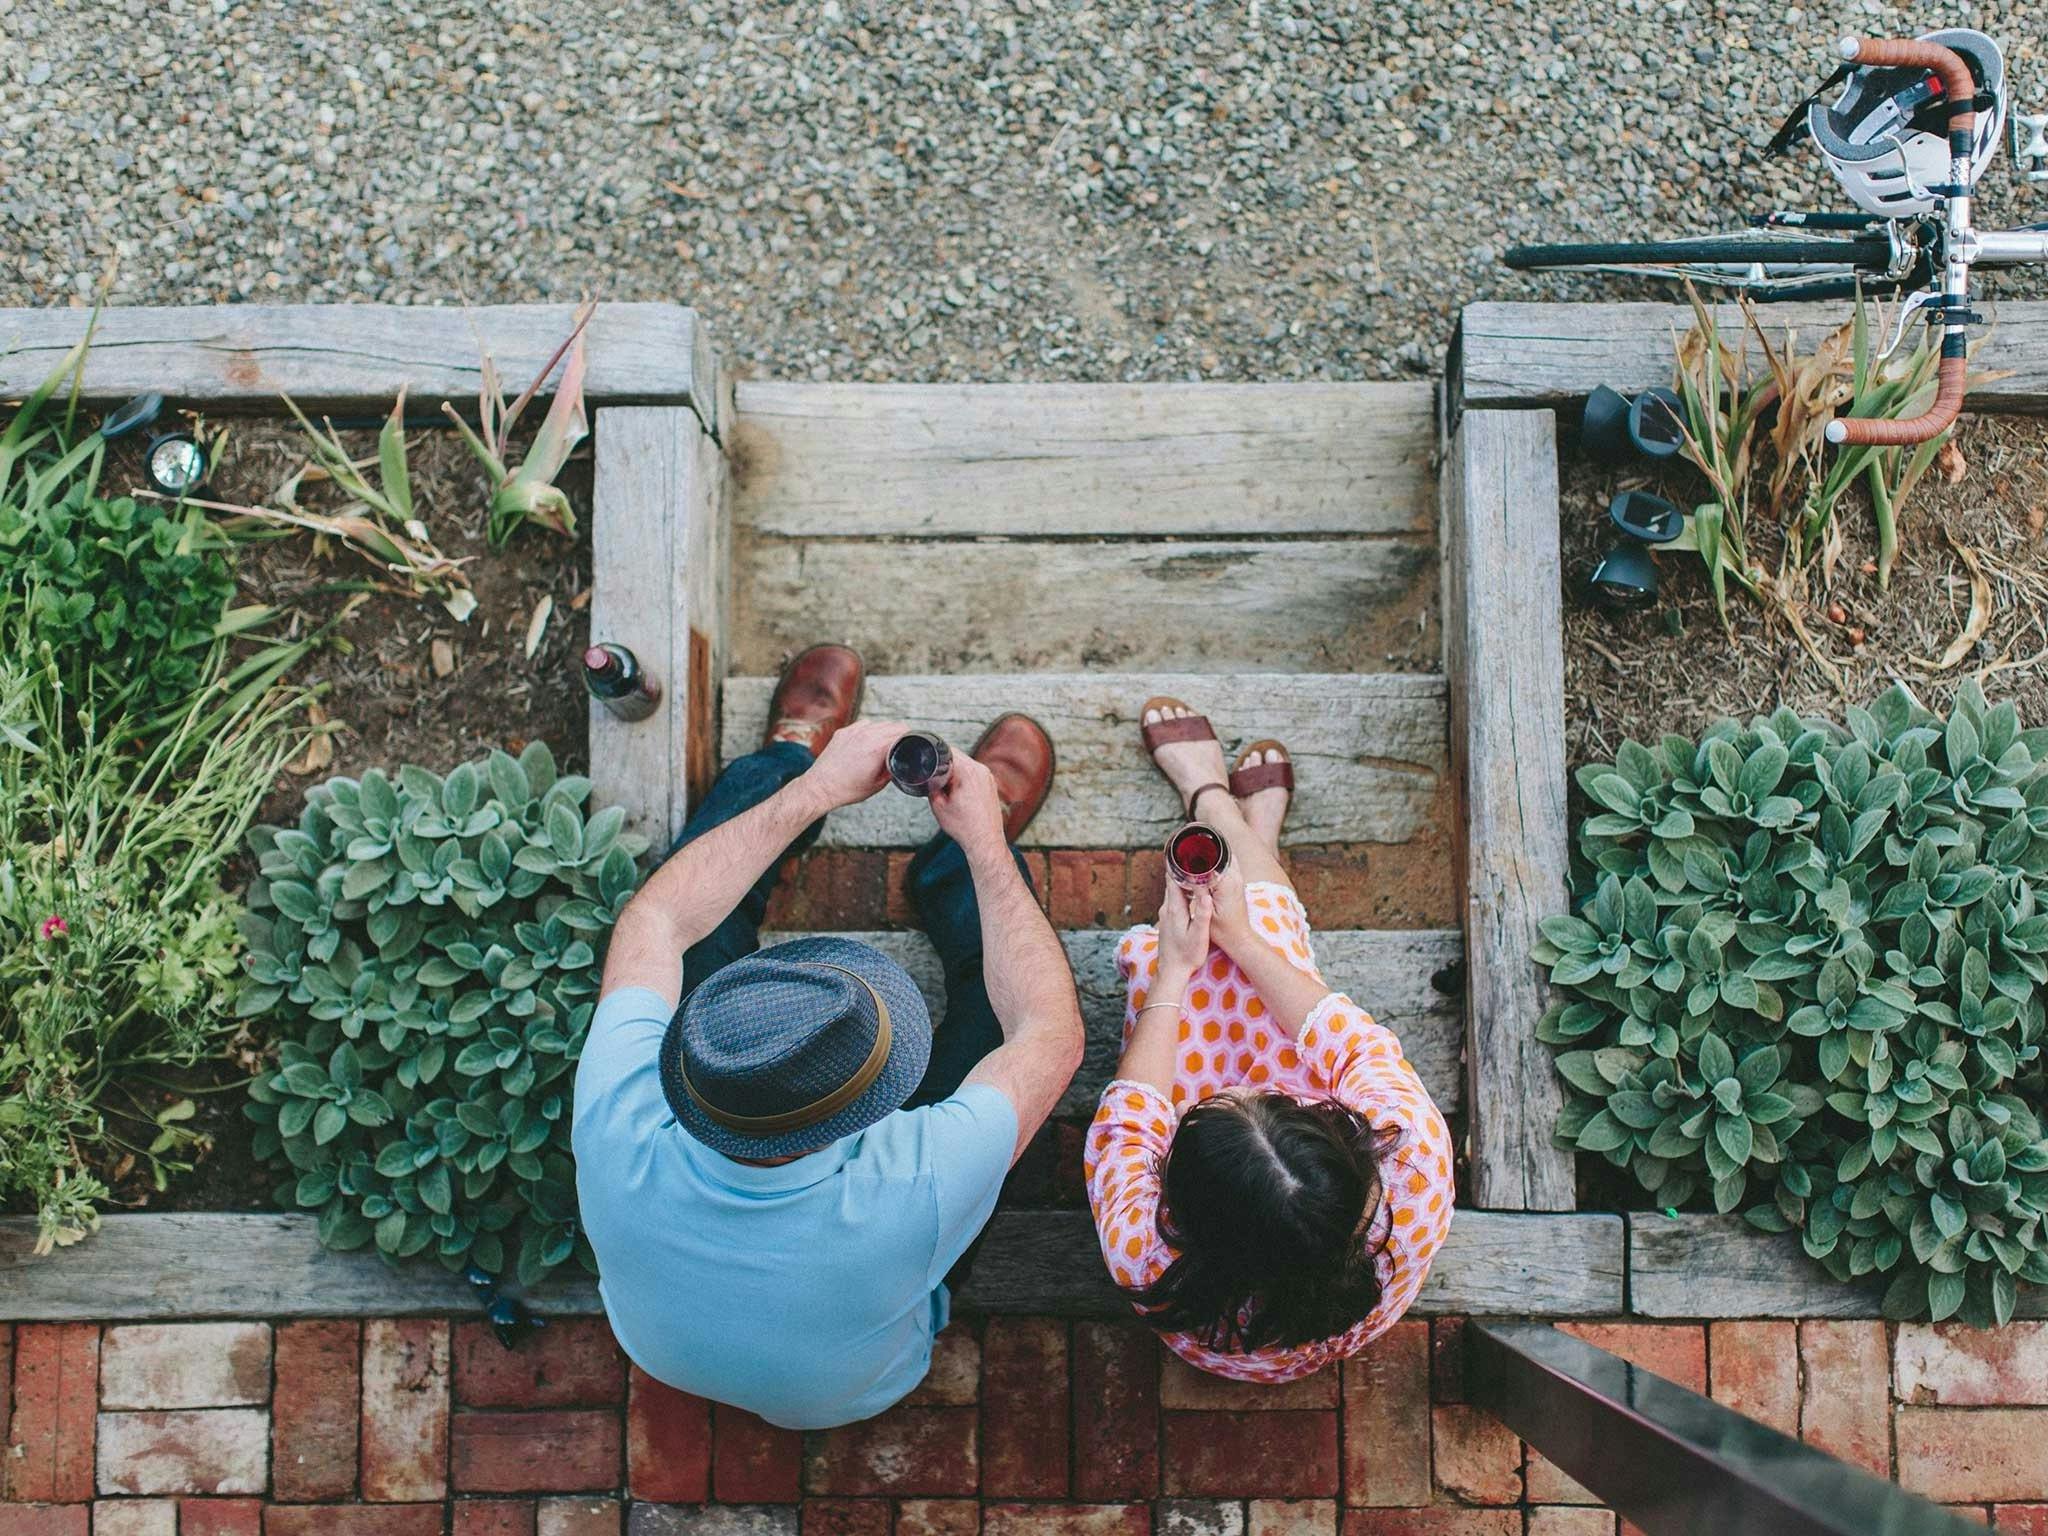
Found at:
[1018, 751]
[819, 692]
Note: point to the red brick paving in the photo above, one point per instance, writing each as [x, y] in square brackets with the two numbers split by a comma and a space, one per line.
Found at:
[50, 1433]
[753, 1462]
[1847, 1407]
[1116, 1411]
[220, 1517]
[551, 1450]
[405, 1410]
[491, 1517]
[1025, 1427]
[668, 1443]
[1386, 1419]
[572, 1363]
[316, 1415]
[1755, 1371]
[1024, 1421]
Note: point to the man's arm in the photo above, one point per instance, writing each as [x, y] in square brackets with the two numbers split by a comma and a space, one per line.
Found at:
[1030, 985]
[694, 891]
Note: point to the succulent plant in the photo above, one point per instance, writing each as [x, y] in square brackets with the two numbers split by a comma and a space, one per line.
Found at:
[431, 943]
[1802, 981]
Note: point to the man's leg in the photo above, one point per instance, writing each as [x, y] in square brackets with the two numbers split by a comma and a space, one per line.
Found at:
[941, 891]
[745, 783]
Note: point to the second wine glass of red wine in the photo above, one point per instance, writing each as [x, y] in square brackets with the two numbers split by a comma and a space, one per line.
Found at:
[920, 763]
[1196, 856]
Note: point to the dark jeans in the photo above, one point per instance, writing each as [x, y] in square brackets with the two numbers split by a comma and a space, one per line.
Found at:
[941, 891]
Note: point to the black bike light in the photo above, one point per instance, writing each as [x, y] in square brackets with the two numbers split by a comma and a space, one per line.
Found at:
[1655, 424]
[1618, 430]
[1649, 518]
[139, 412]
[175, 463]
[1626, 578]
[1603, 429]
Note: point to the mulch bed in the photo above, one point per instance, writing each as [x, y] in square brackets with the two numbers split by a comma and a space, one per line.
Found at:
[1674, 669]
[379, 686]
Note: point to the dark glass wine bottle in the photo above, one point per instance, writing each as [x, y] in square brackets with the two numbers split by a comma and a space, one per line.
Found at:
[612, 675]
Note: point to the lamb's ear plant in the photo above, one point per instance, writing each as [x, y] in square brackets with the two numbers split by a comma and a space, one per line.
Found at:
[428, 946]
[1802, 981]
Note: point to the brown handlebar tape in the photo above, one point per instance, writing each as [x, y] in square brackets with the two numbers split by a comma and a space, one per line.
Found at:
[1948, 404]
[1956, 81]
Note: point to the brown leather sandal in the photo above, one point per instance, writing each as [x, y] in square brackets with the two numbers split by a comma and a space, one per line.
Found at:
[1169, 729]
[1017, 750]
[1251, 775]
[820, 691]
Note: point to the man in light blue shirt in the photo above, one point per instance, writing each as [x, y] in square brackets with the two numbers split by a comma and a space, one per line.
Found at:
[778, 1160]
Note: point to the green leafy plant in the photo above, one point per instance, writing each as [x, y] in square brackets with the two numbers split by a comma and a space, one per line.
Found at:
[117, 942]
[1804, 982]
[430, 945]
[529, 491]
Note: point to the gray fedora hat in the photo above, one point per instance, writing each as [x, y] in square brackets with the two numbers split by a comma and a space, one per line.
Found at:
[795, 1047]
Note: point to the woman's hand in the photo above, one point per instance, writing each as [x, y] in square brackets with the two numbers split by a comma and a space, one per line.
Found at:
[1183, 939]
[1231, 926]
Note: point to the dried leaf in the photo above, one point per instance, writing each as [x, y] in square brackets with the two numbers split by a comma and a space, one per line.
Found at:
[1951, 463]
[319, 754]
[443, 655]
[1980, 612]
[537, 626]
[460, 603]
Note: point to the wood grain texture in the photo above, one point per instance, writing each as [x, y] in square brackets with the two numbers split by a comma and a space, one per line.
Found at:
[963, 459]
[1504, 660]
[1552, 354]
[1387, 972]
[924, 605]
[1369, 751]
[646, 498]
[341, 356]
[1697, 1265]
[1492, 1264]
[201, 1265]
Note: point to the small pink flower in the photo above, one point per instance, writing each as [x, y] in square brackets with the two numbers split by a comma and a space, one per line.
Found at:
[54, 927]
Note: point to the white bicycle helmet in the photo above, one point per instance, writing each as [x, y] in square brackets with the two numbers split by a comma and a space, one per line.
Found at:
[1887, 133]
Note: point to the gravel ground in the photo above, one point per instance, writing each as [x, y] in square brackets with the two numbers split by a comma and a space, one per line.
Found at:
[1034, 189]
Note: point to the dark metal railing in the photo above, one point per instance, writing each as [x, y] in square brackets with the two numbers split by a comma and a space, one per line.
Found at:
[1676, 1463]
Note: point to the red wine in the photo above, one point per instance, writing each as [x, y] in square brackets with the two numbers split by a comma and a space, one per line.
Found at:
[612, 676]
[1196, 856]
[920, 763]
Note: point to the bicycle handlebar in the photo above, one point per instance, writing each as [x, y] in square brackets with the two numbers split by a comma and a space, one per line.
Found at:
[1959, 89]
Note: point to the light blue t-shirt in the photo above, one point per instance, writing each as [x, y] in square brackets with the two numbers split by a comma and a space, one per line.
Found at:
[807, 1293]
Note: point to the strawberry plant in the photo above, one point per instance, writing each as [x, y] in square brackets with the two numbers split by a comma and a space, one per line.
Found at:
[1803, 979]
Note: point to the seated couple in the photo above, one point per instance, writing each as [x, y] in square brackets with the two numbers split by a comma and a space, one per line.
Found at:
[780, 1160]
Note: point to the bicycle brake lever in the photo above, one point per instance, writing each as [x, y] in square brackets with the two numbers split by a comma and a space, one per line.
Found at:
[2030, 153]
[1908, 311]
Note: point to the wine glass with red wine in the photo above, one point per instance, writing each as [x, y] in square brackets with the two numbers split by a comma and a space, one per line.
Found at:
[920, 764]
[1196, 856]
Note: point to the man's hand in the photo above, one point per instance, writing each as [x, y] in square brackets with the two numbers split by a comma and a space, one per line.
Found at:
[970, 808]
[855, 762]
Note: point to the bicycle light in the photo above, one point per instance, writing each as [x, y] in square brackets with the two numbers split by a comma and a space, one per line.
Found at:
[175, 463]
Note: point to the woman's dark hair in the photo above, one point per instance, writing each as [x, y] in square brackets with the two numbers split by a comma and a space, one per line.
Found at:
[1266, 1202]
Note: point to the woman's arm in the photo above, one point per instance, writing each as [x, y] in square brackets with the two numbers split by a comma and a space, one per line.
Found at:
[1289, 993]
[1149, 1056]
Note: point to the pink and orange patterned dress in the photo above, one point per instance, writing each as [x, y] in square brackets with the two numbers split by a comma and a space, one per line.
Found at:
[1227, 1040]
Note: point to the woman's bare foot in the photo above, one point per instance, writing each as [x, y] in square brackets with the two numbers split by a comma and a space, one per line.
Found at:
[1188, 765]
[1264, 809]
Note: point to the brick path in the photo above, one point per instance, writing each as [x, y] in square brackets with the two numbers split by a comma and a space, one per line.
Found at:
[1026, 1427]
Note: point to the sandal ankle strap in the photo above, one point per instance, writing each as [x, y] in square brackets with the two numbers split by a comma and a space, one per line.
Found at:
[1195, 799]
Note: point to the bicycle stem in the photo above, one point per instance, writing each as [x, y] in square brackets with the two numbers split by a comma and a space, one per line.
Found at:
[1959, 91]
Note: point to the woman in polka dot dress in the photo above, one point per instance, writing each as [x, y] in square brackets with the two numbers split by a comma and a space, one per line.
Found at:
[1269, 1178]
